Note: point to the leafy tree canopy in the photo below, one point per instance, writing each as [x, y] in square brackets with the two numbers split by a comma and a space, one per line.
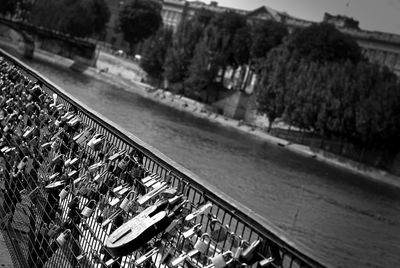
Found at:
[8, 7]
[188, 35]
[201, 73]
[155, 49]
[78, 18]
[241, 45]
[220, 35]
[323, 42]
[358, 102]
[102, 15]
[265, 36]
[203, 17]
[140, 19]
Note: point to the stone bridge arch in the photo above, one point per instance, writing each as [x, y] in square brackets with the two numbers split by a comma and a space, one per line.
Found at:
[84, 52]
[27, 46]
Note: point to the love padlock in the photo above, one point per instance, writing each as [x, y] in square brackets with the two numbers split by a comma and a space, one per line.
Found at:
[266, 262]
[95, 141]
[146, 256]
[166, 257]
[74, 162]
[179, 259]
[248, 254]
[80, 257]
[127, 203]
[201, 244]
[44, 230]
[195, 229]
[88, 209]
[22, 164]
[223, 259]
[64, 192]
[124, 162]
[62, 238]
[73, 121]
[53, 230]
[99, 177]
[218, 234]
[239, 250]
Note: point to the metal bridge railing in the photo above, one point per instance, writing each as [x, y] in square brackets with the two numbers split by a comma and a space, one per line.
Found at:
[55, 211]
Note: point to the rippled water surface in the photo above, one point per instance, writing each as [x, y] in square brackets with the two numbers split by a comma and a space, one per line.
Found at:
[343, 218]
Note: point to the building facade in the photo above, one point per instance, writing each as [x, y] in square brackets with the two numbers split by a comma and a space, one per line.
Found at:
[382, 48]
[174, 12]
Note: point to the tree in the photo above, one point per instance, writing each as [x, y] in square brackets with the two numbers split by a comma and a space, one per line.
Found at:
[78, 21]
[220, 35]
[8, 7]
[77, 18]
[336, 95]
[17, 8]
[102, 15]
[201, 73]
[47, 13]
[25, 8]
[180, 54]
[241, 46]
[139, 20]
[155, 49]
[323, 42]
[272, 87]
[174, 68]
[264, 37]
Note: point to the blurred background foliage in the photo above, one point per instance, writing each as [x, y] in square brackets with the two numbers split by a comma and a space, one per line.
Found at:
[80, 18]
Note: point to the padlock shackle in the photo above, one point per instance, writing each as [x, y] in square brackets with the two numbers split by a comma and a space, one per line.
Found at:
[213, 223]
[91, 204]
[244, 242]
[97, 136]
[205, 235]
[228, 253]
[224, 254]
[129, 195]
[197, 227]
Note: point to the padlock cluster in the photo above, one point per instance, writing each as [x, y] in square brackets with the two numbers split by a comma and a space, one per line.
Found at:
[95, 202]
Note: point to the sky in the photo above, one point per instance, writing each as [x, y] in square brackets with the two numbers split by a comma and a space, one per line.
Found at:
[373, 15]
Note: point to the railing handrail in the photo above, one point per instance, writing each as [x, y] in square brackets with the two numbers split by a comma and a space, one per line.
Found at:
[260, 224]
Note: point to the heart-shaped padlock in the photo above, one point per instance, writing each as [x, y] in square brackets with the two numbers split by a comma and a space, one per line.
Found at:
[218, 234]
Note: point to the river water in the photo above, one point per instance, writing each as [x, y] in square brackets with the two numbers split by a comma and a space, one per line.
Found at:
[345, 219]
